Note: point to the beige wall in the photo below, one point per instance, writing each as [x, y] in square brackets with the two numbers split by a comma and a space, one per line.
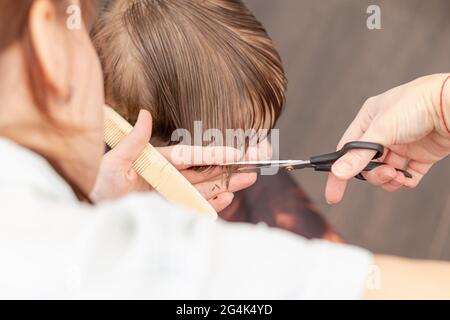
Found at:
[333, 64]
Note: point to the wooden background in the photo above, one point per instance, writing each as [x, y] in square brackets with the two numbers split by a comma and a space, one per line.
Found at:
[333, 64]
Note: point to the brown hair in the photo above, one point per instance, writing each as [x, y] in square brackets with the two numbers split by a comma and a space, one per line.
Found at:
[189, 60]
[14, 19]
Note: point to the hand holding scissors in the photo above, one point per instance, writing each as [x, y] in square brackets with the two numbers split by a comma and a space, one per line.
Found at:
[322, 162]
[411, 121]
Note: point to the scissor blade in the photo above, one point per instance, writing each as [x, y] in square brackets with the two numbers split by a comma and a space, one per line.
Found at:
[268, 163]
[256, 166]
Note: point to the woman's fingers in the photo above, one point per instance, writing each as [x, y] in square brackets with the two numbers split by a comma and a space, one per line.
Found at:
[394, 160]
[222, 201]
[213, 188]
[396, 183]
[360, 124]
[390, 179]
[354, 161]
[130, 148]
[195, 176]
[388, 119]
[335, 189]
[336, 184]
[418, 171]
[384, 176]
[184, 156]
[381, 175]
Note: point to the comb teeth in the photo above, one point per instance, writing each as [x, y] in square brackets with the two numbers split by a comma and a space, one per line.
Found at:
[142, 162]
[155, 169]
[115, 128]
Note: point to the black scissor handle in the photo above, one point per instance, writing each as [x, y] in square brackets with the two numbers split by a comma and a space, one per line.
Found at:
[372, 165]
[331, 158]
[325, 162]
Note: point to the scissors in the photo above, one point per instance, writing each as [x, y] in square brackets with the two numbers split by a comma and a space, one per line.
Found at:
[322, 162]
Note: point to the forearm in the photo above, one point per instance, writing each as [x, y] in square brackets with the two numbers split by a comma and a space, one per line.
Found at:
[411, 279]
[445, 108]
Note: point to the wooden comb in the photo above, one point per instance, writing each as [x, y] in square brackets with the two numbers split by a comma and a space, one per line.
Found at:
[155, 169]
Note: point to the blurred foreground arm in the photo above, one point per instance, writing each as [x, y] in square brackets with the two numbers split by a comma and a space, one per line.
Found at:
[402, 278]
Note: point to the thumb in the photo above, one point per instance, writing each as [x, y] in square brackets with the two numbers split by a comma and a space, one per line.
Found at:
[131, 147]
[354, 161]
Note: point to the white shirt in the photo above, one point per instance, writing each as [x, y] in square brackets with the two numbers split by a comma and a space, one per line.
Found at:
[52, 246]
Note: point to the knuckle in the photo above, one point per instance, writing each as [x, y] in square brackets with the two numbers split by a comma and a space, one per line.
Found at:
[373, 179]
[369, 102]
[415, 183]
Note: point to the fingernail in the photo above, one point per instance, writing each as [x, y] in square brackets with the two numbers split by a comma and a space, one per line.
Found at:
[342, 169]
[330, 202]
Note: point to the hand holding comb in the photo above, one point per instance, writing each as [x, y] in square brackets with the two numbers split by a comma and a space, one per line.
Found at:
[155, 169]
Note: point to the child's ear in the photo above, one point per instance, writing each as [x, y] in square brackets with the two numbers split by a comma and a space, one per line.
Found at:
[49, 42]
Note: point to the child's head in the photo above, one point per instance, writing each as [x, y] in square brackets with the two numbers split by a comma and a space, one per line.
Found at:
[190, 60]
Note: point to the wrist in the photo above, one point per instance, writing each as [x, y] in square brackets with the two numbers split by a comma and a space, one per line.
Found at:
[441, 105]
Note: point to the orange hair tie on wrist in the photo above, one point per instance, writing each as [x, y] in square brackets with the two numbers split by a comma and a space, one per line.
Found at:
[441, 104]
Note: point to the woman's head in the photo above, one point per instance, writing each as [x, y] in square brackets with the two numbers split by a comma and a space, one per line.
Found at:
[51, 96]
[190, 60]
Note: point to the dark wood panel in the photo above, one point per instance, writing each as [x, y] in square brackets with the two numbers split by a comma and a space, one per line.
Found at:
[334, 63]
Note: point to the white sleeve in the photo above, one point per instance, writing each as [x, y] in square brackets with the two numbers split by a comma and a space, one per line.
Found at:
[144, 247]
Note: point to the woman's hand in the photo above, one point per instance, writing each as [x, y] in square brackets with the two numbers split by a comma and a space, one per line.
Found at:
[214, 184]
[117, 177]
[408, 122]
